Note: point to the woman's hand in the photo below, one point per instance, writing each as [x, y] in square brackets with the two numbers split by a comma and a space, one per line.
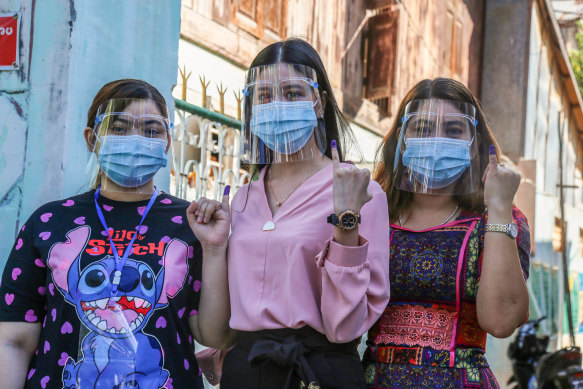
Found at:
[210, 221]
[500, 186]
[350, 185]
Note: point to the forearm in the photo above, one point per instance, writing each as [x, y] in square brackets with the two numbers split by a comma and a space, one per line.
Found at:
[14, 361]
[502, 300]
[214, 307]
[346, 238]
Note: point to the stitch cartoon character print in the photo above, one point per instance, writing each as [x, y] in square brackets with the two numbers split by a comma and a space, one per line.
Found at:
[116, 353]
[60, 275]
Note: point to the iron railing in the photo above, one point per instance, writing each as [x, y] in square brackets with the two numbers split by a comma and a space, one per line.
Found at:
[207, 152]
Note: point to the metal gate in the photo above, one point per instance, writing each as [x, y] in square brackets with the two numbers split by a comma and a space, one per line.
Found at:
[207, 153]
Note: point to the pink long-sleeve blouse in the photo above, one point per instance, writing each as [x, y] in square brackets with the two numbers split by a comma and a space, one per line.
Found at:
[295, 274]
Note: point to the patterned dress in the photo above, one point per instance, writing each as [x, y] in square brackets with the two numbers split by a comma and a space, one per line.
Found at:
[428, 335]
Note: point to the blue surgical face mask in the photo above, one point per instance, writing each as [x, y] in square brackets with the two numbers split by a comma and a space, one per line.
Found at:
[436, 162]
[284, 127]
[131, 160]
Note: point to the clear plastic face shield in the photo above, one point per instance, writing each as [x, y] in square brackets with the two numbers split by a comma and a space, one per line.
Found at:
[283, 115]
[131, 142]
[437, 150]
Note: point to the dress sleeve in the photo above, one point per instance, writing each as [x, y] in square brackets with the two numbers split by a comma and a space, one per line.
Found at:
[23, 290]
[522, 240]
[355, 280]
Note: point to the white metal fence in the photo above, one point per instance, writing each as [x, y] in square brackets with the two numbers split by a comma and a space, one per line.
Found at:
[207, 153]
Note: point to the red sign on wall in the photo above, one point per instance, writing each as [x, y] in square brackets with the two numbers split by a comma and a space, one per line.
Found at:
[9, 39]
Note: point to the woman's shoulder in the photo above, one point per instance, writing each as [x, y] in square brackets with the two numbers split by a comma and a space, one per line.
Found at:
[518, 215]
[375, 188]
[240, 197]
[54, 210]
[167, 198]
[66, 203]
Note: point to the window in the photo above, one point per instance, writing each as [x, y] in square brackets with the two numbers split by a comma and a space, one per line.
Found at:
[261, 18]
[457, 22]
[380, 57]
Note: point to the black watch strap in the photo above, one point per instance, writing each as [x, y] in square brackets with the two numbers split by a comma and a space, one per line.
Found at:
[333, 219]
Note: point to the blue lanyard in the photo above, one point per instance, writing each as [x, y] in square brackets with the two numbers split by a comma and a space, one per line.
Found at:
[120, 262]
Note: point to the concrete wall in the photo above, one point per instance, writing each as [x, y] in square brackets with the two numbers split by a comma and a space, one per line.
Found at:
[69, 49]
[505, 68]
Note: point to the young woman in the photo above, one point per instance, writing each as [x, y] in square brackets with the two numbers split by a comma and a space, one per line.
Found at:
[307, 256]
[459, 248]
[102, 289]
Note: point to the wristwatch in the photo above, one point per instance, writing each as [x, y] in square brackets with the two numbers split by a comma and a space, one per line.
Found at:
[510, 229]
[347, 220]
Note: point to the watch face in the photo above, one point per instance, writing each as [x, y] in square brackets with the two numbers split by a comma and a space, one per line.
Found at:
[513, 230]
[348, 220]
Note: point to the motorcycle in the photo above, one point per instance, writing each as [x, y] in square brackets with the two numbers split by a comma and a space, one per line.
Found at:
[560, 370]
[525, 351]
[534, 368]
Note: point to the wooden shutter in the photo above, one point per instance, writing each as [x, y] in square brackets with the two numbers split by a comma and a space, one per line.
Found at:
[381, 54]
[259, 16]
[275, 17]
[457, 65]
[452, 50]
[247, 14]
[220, 11]
[447, 41]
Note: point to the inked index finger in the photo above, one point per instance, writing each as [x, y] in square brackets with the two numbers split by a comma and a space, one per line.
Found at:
[335, 157]
[492, 155]
[225, 202]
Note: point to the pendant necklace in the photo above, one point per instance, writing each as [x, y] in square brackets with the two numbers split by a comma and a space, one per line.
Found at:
[445, 221]
[270, 225]
[279, 203]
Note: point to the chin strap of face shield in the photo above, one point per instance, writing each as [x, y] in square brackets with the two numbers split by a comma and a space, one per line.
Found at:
[120, 262]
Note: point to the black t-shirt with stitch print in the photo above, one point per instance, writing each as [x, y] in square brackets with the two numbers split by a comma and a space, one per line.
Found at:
[59, 274]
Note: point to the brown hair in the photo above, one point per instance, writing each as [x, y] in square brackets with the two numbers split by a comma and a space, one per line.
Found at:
[127, 88]
[438, 88]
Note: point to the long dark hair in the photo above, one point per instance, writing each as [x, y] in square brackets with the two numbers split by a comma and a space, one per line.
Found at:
[127, 88]
[438, 88]
[298, 51]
